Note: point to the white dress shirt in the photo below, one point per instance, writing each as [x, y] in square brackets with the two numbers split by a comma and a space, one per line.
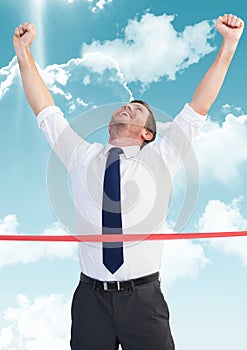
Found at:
[146, 178]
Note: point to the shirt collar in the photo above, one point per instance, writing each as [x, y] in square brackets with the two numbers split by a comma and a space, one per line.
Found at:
[129, 151]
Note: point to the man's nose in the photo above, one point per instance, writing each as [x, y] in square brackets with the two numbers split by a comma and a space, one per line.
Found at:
[127, 106]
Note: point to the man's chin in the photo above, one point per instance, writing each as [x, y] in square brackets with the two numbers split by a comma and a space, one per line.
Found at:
[119, 122]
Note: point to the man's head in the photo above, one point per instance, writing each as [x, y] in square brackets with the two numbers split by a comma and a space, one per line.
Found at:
[133, 124]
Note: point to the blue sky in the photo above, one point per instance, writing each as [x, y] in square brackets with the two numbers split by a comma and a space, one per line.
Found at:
[93, 53]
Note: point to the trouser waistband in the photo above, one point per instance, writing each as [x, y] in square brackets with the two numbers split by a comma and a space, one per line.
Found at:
[113, 286]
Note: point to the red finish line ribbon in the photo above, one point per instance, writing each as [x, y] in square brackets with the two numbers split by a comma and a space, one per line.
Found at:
[122, 237]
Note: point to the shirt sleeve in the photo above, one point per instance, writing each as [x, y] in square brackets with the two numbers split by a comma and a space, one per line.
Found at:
[178, 139]
[61, 137]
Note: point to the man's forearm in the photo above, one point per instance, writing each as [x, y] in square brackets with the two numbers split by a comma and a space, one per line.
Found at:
[211, 83]
[36, 91]
[231, 28]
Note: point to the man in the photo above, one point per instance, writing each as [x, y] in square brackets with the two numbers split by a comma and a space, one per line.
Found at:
[118, 299]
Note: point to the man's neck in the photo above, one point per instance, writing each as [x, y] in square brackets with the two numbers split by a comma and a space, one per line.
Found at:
[122, 135]
[124, 142]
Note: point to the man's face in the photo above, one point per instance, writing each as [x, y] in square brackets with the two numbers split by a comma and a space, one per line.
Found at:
[134, 114]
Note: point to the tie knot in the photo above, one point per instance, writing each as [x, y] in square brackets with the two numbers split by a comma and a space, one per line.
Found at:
[115, 150]
[113, 158]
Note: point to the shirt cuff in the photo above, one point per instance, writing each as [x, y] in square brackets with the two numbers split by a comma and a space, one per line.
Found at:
[192, 117]
[47, 112]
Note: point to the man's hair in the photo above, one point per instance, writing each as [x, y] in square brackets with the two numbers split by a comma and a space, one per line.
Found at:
[150, 124]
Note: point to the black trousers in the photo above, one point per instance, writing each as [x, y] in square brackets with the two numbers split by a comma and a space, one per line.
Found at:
[137, 318]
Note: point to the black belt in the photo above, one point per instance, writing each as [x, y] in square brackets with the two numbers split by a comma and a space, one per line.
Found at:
[113, 286]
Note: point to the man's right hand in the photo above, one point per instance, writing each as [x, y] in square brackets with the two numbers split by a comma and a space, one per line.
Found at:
[24, 36]
[38, 97]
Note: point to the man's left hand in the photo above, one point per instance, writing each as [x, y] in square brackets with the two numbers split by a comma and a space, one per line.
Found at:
[230, 27]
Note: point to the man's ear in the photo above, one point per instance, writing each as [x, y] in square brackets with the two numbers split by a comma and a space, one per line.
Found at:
[147, 135]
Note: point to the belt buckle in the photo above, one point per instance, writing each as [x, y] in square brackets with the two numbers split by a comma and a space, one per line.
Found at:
[105, 286]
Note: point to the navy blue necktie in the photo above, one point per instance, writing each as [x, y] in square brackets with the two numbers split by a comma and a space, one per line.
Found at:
[111, 211]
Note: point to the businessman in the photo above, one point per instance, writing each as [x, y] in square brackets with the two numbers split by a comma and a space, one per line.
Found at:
[118, 299]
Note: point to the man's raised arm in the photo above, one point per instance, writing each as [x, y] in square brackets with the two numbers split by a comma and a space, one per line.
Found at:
[231, 29]
[61, 137]
[36, 91]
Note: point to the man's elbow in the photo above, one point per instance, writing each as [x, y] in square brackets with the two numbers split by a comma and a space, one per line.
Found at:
[200, 108]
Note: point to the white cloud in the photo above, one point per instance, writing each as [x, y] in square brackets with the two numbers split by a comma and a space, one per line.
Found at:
[68, 79]
[182, 259]
[219, 216]
[77, 102]
[56, 73]
[56, 77]
[74, 79]
[98, 63]
[7, 75]
[86, 80]
[100, 5]
[36, 325]
[6, 336]
[152, 48]
[226, 108]
[222, 149]
[12, 252]
[95, 5]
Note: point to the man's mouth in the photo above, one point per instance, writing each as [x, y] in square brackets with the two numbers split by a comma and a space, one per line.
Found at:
[126, 114]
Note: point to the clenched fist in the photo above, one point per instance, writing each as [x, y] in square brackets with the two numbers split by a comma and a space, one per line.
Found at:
[230, 27]
[24, 36]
